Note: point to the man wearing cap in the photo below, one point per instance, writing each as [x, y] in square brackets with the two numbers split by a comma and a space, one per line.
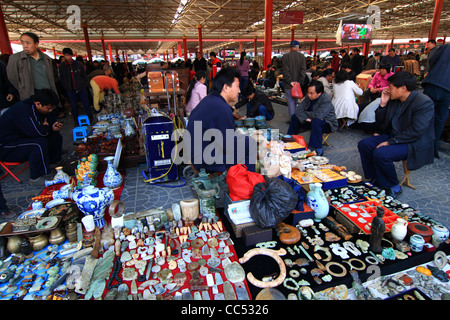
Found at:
[29, 132]
[294, 70]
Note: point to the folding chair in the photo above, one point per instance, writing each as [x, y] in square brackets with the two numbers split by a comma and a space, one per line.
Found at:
[405, 179]
[7, 166]
[325, 139]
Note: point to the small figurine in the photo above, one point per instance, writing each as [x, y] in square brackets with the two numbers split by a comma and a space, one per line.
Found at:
[377, 231]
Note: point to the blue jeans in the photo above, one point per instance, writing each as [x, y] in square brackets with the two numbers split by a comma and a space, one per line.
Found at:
[441, 99]
[73, 99]
[317, 127]
[262, 111]
[378, 163]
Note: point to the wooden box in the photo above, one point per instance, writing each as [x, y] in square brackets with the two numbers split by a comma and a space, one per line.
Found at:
[254, 234]
[155, 82]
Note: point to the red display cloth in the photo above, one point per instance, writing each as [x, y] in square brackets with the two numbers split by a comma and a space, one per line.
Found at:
[117, 192]
[188, 273]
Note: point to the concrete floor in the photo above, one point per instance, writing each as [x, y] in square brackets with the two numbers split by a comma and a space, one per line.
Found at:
[432, 181]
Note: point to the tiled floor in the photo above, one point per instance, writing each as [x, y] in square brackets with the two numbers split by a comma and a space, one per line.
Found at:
[431, 197]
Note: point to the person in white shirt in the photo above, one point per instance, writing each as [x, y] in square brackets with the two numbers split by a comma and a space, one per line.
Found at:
[344, 99]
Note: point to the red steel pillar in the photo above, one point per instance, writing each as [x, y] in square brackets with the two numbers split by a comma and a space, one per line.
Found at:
[200, 39]
[5, 45]
[241, 46]
[86, 40]
[110, 53]
[436, 19]
[268, 33]
[54, 52]
[185, 48]
[179, 49]
[292, 33]
[256, 47]
[316, 41]
[103, 48]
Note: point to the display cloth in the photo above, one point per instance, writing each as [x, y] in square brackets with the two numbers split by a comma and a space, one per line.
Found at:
[33, 273]
[263, 266]
[219, 253]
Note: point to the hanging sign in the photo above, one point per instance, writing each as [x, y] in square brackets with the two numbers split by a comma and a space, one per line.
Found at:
[291, 17]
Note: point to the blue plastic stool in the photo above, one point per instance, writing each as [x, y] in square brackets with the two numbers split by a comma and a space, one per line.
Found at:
[83, 120]
[79, 133]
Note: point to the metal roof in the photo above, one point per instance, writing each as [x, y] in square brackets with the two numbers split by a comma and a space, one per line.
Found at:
[155, 26]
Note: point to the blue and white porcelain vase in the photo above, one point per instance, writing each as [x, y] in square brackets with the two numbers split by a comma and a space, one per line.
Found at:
[93, 201]
[317, 201]
[112, 178]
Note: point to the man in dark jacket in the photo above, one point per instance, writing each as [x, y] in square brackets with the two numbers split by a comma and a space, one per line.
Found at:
[315, 113]
[294, 70]
[357, 61]
[437, 86]
[214, 145]
[200, 62]
[29, 132]
[258, 104]
[405, 116]
[74, 80]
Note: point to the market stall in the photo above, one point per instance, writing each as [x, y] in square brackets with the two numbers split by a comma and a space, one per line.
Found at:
[306, 229]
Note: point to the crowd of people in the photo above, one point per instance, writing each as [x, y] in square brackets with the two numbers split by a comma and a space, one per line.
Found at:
[392, 108]
[37, 91]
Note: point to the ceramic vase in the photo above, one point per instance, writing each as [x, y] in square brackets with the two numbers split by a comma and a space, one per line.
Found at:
[317, 201]
[129, 129]
[93, 201]
[399, 229]
[440, 231]
[60, 174]
[416, 242]
[86, 170]
[112, 178]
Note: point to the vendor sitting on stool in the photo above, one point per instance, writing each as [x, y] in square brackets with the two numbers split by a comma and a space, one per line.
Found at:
[406, 117]
[315, 113]
[29, 132]
[258, 104]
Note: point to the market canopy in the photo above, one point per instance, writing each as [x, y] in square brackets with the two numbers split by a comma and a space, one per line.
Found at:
[158, 26]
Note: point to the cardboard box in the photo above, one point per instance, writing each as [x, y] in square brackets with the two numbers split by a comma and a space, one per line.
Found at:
[237, 210]
[254, 234]
[238, 213]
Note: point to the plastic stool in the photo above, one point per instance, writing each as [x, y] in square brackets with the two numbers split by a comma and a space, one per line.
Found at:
[83, 120]
[79, 133]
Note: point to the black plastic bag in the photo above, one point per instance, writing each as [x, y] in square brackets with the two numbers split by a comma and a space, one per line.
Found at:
[272, 202]
[297, 188]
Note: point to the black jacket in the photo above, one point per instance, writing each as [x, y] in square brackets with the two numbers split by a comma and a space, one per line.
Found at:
[200, 64]
[416, 127]
[23, 121]
[73, 76]
[5, 87]
[260, 98]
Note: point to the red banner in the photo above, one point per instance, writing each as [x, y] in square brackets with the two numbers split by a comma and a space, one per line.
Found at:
[291, 17]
